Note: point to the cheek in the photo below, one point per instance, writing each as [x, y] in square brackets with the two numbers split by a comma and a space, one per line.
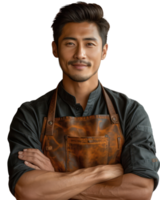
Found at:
[95, 55]
[97, 63]
[63, 59]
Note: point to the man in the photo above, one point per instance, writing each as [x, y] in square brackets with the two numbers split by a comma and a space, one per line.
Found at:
[109, 128]
[80, 82]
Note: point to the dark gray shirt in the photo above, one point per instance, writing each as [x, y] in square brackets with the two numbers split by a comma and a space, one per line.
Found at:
[138, 154]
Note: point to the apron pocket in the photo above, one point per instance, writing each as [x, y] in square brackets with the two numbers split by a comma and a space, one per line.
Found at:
[88, 151]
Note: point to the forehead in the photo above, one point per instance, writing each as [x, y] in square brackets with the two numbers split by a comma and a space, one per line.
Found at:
[80, 30]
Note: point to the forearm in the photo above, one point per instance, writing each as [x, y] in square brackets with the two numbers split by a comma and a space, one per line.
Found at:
[39, 184]
[125, 187]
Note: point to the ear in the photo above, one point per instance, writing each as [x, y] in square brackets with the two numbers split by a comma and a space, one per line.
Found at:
[105, 52]
[53, 49]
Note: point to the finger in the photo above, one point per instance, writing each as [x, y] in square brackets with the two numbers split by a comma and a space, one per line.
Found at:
[36, 151]
[32, 157]
[31, 165]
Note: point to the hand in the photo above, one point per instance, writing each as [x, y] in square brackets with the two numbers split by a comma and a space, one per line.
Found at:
[113, 175]
[35, 159]
[111, 171]
[115, 170]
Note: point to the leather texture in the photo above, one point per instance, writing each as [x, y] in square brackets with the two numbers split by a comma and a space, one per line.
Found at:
[72, 143]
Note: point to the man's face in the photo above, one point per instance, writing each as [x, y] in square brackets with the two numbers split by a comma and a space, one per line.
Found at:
[79, 50]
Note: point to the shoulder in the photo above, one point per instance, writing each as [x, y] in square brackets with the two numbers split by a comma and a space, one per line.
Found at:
[132, 113]
[122, 102]
[32, 112]
[38, 102]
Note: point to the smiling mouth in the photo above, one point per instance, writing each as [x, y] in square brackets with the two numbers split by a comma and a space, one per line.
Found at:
[79, 66]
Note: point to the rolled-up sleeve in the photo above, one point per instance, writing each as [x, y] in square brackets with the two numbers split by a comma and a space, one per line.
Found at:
[23, 134]
[139, 152]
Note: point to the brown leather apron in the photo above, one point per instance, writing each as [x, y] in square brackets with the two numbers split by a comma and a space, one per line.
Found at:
[72, 143]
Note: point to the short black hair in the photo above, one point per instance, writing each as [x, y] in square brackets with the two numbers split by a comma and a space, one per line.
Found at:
[80, 11]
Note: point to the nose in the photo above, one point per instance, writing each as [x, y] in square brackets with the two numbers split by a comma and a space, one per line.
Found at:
[79, 52]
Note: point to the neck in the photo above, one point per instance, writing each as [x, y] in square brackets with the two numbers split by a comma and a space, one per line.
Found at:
[80, 90]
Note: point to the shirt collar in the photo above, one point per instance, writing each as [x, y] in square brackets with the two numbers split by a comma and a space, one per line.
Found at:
[70, 99]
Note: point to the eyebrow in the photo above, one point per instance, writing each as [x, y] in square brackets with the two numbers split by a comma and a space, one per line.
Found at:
[72, 38]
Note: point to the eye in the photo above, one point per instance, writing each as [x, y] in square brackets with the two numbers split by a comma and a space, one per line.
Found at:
[91, 43]
[72, 43]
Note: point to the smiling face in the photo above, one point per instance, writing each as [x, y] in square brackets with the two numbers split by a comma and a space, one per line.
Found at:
[80, 51]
